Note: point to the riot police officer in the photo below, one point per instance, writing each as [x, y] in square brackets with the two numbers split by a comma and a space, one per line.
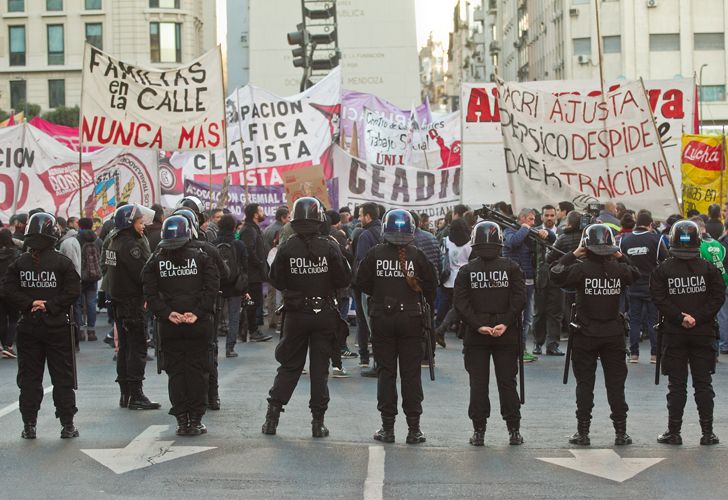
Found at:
[180, 285]
[43, 284]
[490, 294]
[199, 241]
[398, 277]
[308, 269]
[599, 279]
[124, 257]
[688, 291]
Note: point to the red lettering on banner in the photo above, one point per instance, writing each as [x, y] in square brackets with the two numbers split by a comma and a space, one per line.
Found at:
[480, 108]
[113, 133]
[197, 137]
[702, 155]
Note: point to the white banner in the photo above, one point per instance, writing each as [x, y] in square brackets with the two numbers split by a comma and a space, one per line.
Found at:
[38, 171]
[583, 148]
[484, 174]
[387, 142]
[433, 193]
[172, 110]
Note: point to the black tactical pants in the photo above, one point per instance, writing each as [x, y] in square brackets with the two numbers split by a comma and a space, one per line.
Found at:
[305, 332]
[398, 337]
[584, 353]
[37, 345]
[697, 352]
[131, 359]
[548, 310]
[505, 362]
[212, 348]
[187, 365]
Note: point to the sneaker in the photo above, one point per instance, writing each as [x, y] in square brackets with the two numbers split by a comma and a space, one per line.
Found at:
[364, 364]
[347, 354]
[8, 352]
[529, 358]
[653, 359]
[258, 336]
[109, 339]
[537, 350]
[230, 353]
[634, 358]
[339, 373]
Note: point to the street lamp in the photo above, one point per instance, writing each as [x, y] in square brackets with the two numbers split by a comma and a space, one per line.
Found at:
[700, 97]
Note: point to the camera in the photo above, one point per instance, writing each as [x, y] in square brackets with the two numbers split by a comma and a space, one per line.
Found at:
[584, 221]
[594, 209]
[248, 302]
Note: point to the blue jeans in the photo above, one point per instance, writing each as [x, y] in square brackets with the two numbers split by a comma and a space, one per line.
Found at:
[87, 299]
[641, 311]
[723, 324]
[528, 313]
[233, 316]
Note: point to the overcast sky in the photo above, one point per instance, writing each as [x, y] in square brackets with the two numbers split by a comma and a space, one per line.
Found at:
[434, 16]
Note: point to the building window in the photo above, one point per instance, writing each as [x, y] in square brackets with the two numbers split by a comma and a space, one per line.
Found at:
[16, 5]
[17, 94]
[54, 5]
[582, 46]
[92, 5]
[712, 93]
[165, 41]
[665, 42]
[95, 35]
[56, 93]
[55, 44]
[612, 44]
[164, 4]
[581, 2]
[709, 41]
[17, 45]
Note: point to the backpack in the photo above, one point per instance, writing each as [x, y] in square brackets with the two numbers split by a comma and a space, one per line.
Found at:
[444, 262]
[90, 262]
[230, 257]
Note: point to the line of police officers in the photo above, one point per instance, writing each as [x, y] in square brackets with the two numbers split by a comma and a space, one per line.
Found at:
[180, 282]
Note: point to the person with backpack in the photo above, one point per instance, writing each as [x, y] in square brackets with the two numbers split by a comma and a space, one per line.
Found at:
[90, 276]
[235, 256]
[9, 253]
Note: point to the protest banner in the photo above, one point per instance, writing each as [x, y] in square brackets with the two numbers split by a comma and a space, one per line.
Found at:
[703, 172]
[421, 190]
[583, 148]
[306, 181]
[484, 177]
[68, 136]
[176, 109]
[38, 171]
[386, 141]
[268, 197]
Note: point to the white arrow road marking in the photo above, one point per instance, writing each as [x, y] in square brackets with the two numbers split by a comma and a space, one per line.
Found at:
[14, 406]
[374, 483]
[145, 450]
[604, 463]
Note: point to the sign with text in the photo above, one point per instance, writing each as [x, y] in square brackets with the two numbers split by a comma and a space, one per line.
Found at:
[175, 109]
[703, 172]
[306, 181]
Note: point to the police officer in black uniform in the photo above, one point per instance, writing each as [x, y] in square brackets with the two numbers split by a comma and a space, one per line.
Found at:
[43, 284]
[125, 256]
[180, 285]
[598, 279]
[688, 291]
[308, 269]
[490, 294]
[199, 241]
[398, 277]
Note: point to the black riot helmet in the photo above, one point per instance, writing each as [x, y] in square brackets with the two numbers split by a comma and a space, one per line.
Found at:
[599, 239]
[193, 203]
[125, 216]
[308, 208]
[43, 224]
[398, 227]
[191, 218]
[685, 240]
[176, 232]
[486, 233]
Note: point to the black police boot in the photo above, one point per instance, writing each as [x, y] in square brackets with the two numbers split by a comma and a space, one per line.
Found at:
[124, 398]
[414, 435]
[582, 433]
[621, 437]
[68, 430]
[318, 429]
[196, 426]
[183, 423]
[708, 437]
[271, 419]
[478, 437]
[137, 399]
[672, 434]
[28, 430]
[514, 432]
[213, 401]
[386, 433]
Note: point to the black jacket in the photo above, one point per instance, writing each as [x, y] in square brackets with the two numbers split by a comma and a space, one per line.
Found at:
[257, 252]
[125, 257]
[645, 250]
[228, 288]
[488, 293]
[714, 227]
[598, 282]
[694, 287]
[153, 232]
[8, 255]
[51, 277]
[568, 241]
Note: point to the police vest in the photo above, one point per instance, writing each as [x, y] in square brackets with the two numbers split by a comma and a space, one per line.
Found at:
[389, 275]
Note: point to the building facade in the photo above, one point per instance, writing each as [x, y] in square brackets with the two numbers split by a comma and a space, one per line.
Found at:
[237, 43]
[432, 74]
[41, 42]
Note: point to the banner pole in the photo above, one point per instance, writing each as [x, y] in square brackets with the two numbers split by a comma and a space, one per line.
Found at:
[80, 137]
[209, 177]
[499, 85]
[242, 151]
[224, 129]
[18, 177]
[662, 150]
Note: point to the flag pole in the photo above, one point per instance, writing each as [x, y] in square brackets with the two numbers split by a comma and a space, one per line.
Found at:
[224, 130]
[80, 137]
[242, 151]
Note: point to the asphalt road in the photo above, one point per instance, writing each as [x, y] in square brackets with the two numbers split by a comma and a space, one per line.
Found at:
[242, 463]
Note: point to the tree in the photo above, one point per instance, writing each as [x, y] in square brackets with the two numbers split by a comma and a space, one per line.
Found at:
[31, 110]
[63, 116]
[4, 115]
